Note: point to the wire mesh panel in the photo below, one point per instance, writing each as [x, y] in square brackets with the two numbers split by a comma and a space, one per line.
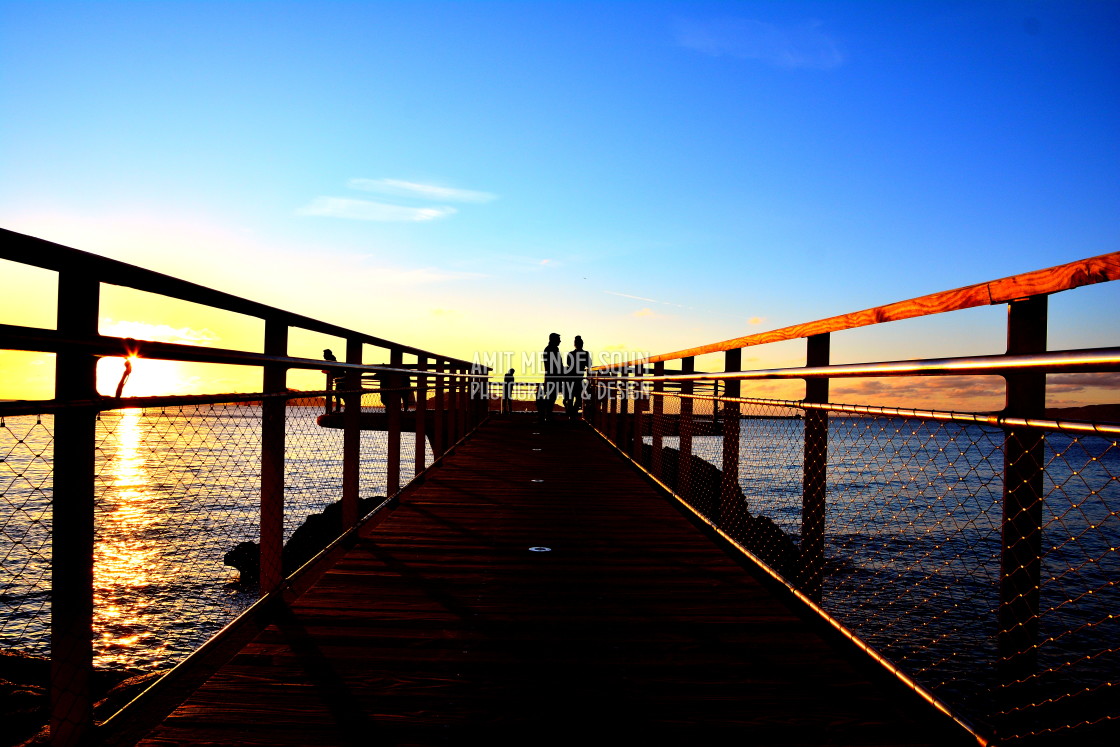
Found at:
[177, 492]
[177, 488]
[26, 443]
[917, 543]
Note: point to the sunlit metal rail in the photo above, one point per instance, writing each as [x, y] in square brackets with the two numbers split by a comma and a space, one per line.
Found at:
[151, 494]
[933, 539]
[975, 554]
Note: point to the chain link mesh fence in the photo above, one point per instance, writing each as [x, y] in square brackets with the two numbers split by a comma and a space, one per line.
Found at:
[177, 524]
[912, 541]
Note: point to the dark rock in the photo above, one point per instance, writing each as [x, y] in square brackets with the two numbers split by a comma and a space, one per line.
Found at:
[123, 692]
[24, 695]
[316, 532]
[757, 533]
[245, 557]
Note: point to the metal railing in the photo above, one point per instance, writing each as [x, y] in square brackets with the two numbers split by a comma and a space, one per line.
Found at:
[975, 555]
[123, 518]
[520, 396]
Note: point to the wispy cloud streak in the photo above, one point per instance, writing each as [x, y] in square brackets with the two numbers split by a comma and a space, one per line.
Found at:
[805, 46]
[345, 207]
[649, 300]
[399, 188]
[157, 332]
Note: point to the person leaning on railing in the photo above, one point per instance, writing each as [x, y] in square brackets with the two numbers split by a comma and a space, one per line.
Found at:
[395, 391]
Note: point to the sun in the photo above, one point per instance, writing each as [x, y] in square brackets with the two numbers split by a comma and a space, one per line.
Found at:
[133, 376]
[139, 377]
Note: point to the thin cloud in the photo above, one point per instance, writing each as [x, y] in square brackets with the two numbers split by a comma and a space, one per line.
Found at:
[647, 313]
[756, 320]
[409, 276]
[435, 193]
[1066, 383]
[515, 262]
[648, 300]
[344, 207]
[627, 295]
[157, 332]
[804, 46]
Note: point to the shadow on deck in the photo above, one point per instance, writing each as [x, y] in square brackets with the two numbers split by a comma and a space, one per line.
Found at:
[442, 626]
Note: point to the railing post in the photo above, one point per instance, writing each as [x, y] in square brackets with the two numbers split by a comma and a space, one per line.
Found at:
[462, 404]
[480, 401]
[421, 414]
[72, 536]
[639, 419]
[684, 461]
[601, 404]
[623, 425]
[439, 432]
[657, 427]
[815, 475]
[729, 484]
[454, 405]
[1024, 461]
[615, 407]
[351, 438]
[600, 397]
[273, 411]
[399, 400]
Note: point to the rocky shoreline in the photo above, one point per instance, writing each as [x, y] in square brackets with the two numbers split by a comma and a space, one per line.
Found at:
[24, 695]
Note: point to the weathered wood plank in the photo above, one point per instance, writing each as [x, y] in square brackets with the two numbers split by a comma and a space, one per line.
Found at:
[441, 627]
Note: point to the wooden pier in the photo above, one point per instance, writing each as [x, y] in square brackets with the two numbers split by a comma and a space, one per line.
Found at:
[442, 625]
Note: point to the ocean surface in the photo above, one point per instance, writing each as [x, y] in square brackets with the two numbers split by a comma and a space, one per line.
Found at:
[176, 490]
[912, 528]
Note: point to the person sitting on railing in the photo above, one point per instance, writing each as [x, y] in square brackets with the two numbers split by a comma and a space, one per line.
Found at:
[575, 385]
[333, 403]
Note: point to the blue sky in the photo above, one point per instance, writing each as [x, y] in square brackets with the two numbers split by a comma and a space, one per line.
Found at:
[473, 175]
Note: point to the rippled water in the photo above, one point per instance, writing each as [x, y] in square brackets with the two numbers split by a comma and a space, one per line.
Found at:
[913, 532]
[176, 489]
[913, 544]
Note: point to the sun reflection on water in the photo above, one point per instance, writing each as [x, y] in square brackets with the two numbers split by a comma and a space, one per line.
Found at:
[125, 551]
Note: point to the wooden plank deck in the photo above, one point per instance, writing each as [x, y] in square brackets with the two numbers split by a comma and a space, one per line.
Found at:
[442, 627]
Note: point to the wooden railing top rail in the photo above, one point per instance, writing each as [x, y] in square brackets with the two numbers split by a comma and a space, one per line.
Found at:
[48, 255]
[1098, 269]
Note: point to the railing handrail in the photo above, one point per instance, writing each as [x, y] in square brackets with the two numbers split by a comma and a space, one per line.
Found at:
[1058, 361]
[52, 341]
[1099, 269]
[31, 250]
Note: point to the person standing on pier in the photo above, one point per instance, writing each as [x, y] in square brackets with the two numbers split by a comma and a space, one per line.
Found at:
[575, 388]
[553, 376]
[507, 393]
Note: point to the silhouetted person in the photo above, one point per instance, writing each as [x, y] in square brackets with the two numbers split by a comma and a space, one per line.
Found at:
[507, 393]
[575, 385]
[395, 390]
[553, 377]
[124, 376]
[337, 406]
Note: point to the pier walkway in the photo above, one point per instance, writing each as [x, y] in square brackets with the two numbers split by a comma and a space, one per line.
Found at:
[442, 626]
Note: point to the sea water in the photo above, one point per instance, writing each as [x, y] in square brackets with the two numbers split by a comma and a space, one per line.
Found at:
[913, 531]
[176, 489]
